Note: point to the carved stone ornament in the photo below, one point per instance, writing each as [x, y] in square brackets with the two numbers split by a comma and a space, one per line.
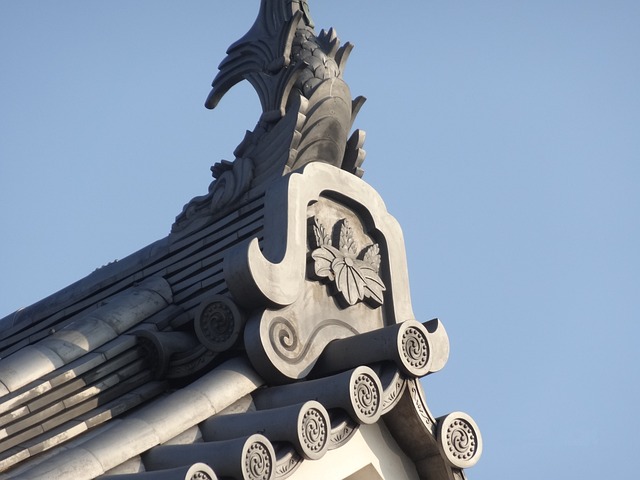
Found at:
[366, 392]
[460, 440]
[201, 476]
[405, 344]
[258, 461]
[315, 429]
[200, 471]
[306, 426]
[393, 385]
[307, 108]
[218, 323]
[355, 278]
[284, 336]
[288, 462]
[344, 427]
[420, 405]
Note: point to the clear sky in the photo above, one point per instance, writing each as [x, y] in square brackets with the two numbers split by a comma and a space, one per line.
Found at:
[503, 135]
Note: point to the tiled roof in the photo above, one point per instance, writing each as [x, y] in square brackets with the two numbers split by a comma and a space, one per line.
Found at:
[272, 331]
[95, 379]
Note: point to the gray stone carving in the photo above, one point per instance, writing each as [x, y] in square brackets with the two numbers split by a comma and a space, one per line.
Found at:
[197, 471]
[218, 323]
[284, 340]
[358, 392]
[344, 427]
[406, 344]
[251, 458]
[285, 61]
[460, 440]
[356, 279]
[393, 384]
[307, 426]
[307, 107]
[288, 462]
[290, 262]
[439, 341]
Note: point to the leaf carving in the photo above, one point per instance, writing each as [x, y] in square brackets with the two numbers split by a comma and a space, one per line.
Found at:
[354, 279]
[347, 243]
[324, 258]
[349, 280]
[372, 257]
[320, 233]
[375, 287]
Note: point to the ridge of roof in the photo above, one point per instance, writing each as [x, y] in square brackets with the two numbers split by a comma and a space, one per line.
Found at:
[270, 329]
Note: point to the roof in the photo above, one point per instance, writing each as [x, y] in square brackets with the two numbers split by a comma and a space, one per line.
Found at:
[270, 331]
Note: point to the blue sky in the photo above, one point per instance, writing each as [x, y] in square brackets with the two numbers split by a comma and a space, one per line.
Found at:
[503, 135]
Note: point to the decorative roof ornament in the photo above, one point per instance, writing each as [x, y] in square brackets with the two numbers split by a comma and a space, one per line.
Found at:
[278, 310]
[307, 108]
[355, 278]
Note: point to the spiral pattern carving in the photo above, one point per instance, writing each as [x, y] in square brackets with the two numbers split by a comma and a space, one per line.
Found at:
[460, 439]
[415, 349]
[199, 471]
[200, 476]
[314, 430]
[258, 462]
[283, 337]
[217, 322]
[366, 395]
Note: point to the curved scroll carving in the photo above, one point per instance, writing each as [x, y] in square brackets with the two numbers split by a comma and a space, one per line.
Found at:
[200, 471]
[258, 460]
[393, 385]
[366, 393]
[218, 323]
[256, 281]
[342, 429]
[288, 462]
[288, 345]
[289, 65]
[232, 180]
[314, 432]
[307, 108]
[460, 440]
[415, 349]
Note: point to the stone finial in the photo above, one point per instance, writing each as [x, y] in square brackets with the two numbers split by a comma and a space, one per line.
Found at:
[307, 108]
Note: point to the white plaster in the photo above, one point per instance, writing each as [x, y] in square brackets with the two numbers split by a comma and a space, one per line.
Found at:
[371, 445]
